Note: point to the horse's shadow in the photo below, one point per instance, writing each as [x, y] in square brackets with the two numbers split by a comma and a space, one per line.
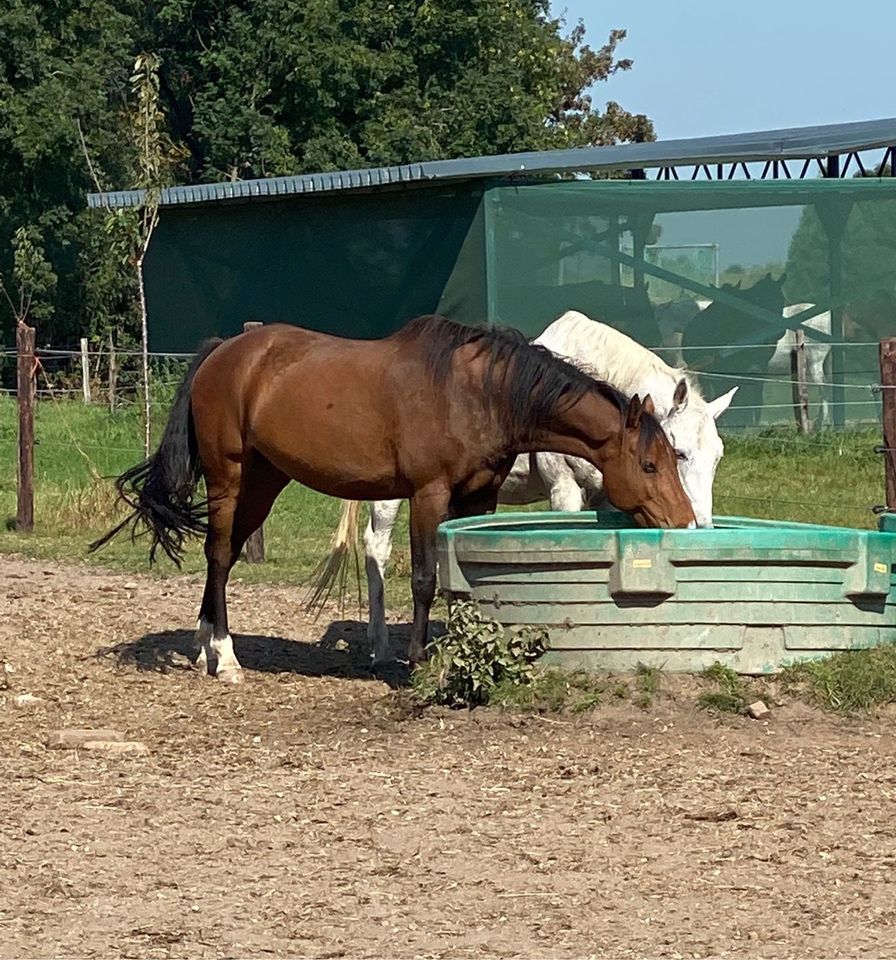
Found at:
[341, 651]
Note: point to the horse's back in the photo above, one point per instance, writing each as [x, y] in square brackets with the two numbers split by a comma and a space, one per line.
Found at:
[319, 407]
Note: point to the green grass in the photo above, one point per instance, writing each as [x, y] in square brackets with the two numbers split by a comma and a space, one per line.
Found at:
[728, 693]
[648, 680]
[76, 444]
[824, 478]
[832, 478]
[855, 681]
[554, 691]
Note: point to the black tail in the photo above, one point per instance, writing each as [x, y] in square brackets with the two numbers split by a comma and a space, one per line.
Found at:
[160, 490]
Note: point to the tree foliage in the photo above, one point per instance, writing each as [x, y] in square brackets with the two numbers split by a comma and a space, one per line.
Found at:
[867, 229]
[254, 88]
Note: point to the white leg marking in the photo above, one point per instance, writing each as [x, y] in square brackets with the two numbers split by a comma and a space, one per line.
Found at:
[378, 549]
[202, 639]
[228, 667]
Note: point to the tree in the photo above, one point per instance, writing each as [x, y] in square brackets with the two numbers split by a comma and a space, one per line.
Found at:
[59, 62]
[273, 87]
[255, 88]
[33, 279]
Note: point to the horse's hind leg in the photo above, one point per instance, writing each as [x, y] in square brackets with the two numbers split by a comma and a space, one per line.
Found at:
[238, 505]
[213, 634]
[377, 550]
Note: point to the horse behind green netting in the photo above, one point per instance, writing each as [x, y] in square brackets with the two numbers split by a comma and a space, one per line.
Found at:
[435, 414]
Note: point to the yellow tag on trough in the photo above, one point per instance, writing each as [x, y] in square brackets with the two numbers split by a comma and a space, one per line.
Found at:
[878, 568]
[642, 563]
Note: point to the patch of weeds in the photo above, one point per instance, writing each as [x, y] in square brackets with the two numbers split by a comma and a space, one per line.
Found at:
[619, 690]
[855, 681]
[552, 691]
[475, 657]
[648, 680]
[731, 693]
[722, 702]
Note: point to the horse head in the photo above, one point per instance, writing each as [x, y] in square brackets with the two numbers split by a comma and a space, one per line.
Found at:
[640, 472]
[690, 425]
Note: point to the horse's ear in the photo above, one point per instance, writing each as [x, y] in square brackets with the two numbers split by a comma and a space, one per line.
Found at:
[718, 406]
[647, 406]
[633, 417]
[680, 397]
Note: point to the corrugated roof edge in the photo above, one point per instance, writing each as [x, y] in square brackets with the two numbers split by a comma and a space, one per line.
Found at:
[795, 143]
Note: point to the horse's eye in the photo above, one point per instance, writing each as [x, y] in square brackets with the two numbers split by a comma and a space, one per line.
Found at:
[649, 467]
[681, 455]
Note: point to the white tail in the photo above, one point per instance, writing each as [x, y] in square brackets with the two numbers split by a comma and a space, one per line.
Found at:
[332, 571]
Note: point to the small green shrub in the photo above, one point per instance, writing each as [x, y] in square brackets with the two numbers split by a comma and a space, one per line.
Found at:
[475, 657]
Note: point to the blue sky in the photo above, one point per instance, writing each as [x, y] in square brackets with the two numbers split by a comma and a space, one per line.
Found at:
[703, 67]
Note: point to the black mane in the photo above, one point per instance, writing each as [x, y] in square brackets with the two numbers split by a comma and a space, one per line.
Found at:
[531, 383]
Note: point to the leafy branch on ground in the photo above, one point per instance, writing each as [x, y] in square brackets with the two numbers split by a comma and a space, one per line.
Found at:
[476, 657]
[479, 662]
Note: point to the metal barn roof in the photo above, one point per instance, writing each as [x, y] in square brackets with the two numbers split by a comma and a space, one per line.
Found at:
[798, 143]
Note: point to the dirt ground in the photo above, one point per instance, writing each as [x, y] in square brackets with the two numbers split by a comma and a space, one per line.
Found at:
[302, 815]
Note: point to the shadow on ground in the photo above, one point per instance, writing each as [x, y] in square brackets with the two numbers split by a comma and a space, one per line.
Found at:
[341, 651]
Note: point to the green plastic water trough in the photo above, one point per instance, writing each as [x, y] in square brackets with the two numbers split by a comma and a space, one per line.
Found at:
[753, 594]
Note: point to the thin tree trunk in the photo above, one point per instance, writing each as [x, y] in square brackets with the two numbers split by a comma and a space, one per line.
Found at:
[144, 338]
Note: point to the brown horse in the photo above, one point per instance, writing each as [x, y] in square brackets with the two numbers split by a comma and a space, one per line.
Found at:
[435, 414]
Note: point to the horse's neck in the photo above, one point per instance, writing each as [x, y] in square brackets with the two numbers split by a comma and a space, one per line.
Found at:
[607, 354]
[581, 430]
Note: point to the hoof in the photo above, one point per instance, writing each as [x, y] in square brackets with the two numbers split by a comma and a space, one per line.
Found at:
[230, 676]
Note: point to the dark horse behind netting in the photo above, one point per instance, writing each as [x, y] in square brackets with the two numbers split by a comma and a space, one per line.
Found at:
[435, 414]
[744, 366]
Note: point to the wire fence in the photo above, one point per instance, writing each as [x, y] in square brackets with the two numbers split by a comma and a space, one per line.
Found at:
[100, 420]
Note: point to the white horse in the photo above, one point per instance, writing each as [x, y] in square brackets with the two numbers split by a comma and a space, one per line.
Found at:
[568, 482]
[817, 352]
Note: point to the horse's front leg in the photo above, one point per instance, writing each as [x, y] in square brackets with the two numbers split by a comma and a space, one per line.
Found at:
[564, 491]
[428, 508]
[377, 550]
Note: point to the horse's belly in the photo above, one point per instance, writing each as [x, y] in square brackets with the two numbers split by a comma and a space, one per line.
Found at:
[332, 458]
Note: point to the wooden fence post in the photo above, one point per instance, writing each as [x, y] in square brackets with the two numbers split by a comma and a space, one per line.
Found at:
[888, 403]
[255, 544]
[85, 370]
[25, 364]
[798, 382]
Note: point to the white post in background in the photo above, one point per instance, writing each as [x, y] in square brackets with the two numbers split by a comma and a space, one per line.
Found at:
[85, 370]
[113, 373]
